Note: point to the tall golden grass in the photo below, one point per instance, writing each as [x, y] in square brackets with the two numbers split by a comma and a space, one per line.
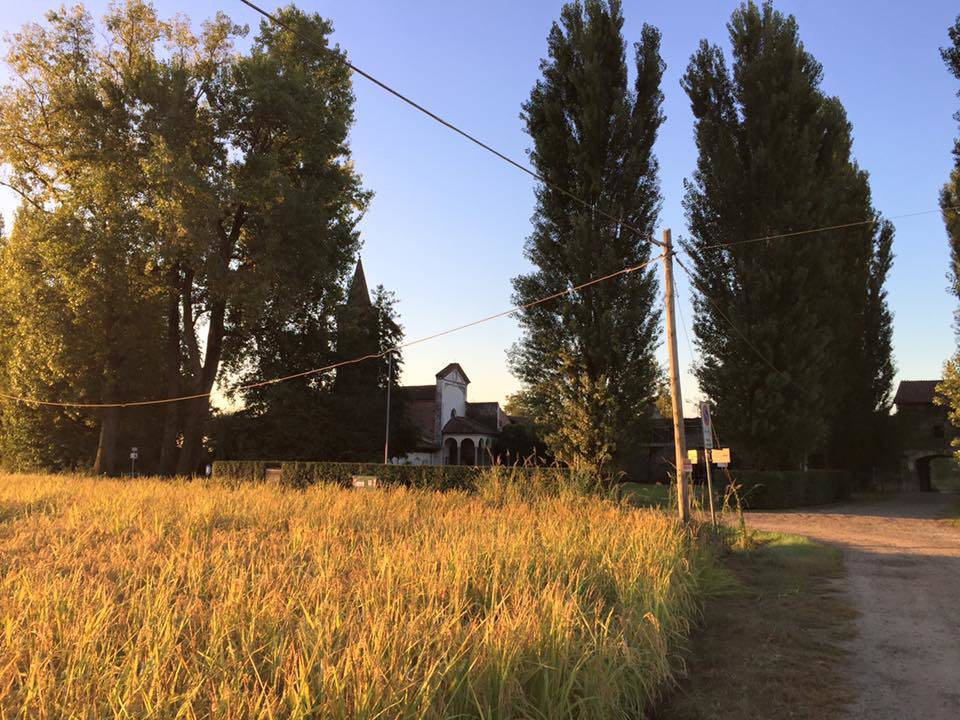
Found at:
[170, 599]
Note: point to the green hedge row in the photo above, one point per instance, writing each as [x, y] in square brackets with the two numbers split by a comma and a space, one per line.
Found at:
[304, 474]
[778, 489]
[242, 470]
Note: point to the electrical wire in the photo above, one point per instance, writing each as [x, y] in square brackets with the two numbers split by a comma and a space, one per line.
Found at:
[333, 366]
[459, 131]
[828, 228]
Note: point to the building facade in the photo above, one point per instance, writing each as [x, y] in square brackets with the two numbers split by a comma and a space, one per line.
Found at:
[452, 430]
[924, 428]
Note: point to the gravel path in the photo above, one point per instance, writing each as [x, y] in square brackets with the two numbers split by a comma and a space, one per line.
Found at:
[903, 576]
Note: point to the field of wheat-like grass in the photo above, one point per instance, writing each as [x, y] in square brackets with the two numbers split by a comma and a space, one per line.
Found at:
[170, 599]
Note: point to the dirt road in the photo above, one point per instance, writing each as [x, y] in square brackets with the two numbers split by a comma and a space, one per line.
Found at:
[903, 576]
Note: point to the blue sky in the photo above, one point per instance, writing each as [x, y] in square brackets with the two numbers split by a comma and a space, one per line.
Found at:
[447, 224]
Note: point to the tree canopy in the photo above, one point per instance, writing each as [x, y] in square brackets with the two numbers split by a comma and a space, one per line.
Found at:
[586, 360]
[795, 333]
[192, 206]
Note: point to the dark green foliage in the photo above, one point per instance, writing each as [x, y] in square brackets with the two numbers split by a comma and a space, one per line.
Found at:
[593, 134]
[210, 194]
[316, 418]
[242, 470]
[778, 489]
[950, 206]
[304, 474]
[521, 444]
[810, 381]
[950, 194]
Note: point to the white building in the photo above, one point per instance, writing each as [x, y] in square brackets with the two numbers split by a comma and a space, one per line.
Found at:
[453, 431]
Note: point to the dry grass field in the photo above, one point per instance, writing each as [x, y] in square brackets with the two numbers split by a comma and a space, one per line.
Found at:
[175, 599]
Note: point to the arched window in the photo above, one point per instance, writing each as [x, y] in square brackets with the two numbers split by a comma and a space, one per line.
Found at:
[453, 413]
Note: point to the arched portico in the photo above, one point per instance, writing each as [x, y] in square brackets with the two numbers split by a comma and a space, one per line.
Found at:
[451, 452]
[918, 467]
[467, 450]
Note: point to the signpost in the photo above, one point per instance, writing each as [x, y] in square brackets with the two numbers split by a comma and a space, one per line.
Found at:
[708, 451]
[134, 454]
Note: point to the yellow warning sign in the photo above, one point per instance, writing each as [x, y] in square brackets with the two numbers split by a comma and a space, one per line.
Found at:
[721, 456]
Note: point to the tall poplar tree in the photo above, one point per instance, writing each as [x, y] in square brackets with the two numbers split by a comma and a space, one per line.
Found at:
[794, 332]
[949, 389]
[950, 194]
[586, 360]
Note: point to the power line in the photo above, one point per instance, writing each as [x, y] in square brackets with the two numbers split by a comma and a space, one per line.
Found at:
[828, 228]
[781, 236]
[333, 366]
[459, 131]
[683, 324]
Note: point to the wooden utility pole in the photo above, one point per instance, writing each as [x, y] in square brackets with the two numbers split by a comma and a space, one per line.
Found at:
[679, 439]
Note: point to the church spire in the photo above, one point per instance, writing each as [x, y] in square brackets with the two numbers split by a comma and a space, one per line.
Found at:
[358, 294]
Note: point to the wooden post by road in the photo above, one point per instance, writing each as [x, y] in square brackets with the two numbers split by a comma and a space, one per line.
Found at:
[679, 439]
[709, 459]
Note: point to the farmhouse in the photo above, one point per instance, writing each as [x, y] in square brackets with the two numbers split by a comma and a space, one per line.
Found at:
[924, 428]
[452, 430]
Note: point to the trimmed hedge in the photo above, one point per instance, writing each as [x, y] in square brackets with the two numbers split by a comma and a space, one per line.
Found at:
[242, 470]
[303, 474]
[779, 489]
[439, 477]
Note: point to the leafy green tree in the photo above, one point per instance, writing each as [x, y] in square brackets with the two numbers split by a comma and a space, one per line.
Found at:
[586, 438]
[794, 333]
[950, 194]
[948, 395]
[78, 255]
[949, 389]
[235, 168]
[593, 134]
[327, 416]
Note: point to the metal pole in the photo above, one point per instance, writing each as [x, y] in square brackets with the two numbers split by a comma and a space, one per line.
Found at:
[386, 437]
[709, 458]
[679, 439]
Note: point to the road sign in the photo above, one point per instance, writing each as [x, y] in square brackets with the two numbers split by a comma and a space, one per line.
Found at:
[134, 454]
[364, 481]
[721, 456]
[687, 467]
[707, 425]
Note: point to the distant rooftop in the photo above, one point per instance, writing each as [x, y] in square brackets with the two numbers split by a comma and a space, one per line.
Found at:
[916, 392]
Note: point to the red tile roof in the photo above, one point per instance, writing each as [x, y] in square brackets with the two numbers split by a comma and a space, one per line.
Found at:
[468, 426]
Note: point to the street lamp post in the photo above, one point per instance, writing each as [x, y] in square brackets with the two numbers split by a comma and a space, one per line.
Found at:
[386, 435]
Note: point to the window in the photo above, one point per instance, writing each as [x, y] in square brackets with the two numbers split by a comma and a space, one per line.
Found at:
[938, 431]
[453, 413]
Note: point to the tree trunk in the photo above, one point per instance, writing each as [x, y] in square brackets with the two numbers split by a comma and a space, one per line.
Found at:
[168, 442]
[204, 370]
[191, 453]
[196, 411]
[106, 462]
